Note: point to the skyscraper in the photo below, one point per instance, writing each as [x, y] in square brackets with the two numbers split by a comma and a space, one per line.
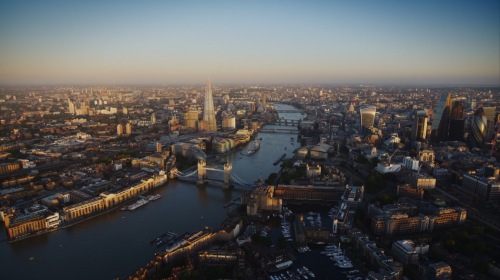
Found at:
[153, 118]
[490, 113]
[208, 110]
[419, 129]
[128, 129]
[478, 128]
[71, 107]
[367, 118]
[264, 101]
[119, 129]
[441, 122]
[457, 122]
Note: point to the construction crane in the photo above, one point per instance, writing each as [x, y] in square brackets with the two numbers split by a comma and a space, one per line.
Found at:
[494, 141]
[389, 158]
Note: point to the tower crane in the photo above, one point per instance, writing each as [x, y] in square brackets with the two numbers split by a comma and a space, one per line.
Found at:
[389, 158]
[493, 142]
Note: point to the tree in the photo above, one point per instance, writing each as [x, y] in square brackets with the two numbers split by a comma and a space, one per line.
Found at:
[271, 178]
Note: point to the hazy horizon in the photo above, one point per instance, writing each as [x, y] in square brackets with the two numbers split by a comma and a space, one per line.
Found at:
[424, 43]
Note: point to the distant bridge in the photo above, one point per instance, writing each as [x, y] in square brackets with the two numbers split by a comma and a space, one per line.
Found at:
[278, 130]
[287, 122]
[289, 111]
[200, 176]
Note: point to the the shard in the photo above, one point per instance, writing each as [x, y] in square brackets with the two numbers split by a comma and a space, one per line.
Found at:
[208, 111]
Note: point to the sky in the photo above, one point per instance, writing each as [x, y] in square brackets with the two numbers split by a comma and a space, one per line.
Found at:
[250, 42]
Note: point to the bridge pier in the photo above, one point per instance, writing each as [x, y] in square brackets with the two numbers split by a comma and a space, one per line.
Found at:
[202, 172]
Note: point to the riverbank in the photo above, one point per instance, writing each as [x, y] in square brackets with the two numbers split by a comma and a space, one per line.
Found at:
[65, 224]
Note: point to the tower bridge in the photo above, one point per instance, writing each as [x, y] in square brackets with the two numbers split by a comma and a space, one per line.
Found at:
[201, 176]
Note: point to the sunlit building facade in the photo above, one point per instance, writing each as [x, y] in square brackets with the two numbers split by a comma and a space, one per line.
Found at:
[209, 111]
[419, 129]
[367, 118]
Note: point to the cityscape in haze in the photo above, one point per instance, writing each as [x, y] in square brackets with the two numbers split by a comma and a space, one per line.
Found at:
[250, 140]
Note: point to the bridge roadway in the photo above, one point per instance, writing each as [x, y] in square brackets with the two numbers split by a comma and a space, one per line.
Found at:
[278, 130]
[290, 111]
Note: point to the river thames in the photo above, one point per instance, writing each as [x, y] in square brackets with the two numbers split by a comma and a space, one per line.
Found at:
[116, 244]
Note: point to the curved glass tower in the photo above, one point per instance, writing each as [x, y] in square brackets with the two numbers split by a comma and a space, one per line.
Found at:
[478, 128]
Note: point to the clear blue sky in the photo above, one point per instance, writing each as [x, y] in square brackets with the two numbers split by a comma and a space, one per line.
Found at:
[172, 42]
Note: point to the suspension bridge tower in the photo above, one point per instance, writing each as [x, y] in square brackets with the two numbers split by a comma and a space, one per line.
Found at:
[228, 167]
[202, 172]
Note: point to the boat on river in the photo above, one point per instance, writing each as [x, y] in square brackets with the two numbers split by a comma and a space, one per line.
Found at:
[137, 204]
[255, 146]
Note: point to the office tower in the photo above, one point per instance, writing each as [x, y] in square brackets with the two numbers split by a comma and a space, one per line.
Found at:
[473, 104]
[264, 104]
[490, 113]
[457, 122]
[128, 128]
[441, 121]
[367, 118]
[208, 111]
[119, 129]
[191, 118]
[71, 107]
[158, 147]
[153, 118]
[419, 129]
[478, 128]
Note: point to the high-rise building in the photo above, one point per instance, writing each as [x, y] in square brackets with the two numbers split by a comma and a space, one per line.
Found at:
[191, 118]
[128, 128]
[490, 113]
[367, 118]
[119, 129]
[71, 107]
[419, 129]
[478, 128]
[264, 104]
[209, 111]
[457, 122]
[441, 122]
[153, 118]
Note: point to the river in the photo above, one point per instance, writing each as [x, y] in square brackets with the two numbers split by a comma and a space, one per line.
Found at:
[116, 244]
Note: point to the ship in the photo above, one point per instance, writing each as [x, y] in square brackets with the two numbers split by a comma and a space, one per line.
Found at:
[136, 205]
[255, 146]
[154, 197]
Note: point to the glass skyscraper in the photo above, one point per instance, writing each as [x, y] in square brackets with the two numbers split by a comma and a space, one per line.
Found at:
[208, 110]
[441, 122]
[478, 128]
[367, 118]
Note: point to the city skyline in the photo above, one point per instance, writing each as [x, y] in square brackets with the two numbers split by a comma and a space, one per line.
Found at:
[449, 43]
